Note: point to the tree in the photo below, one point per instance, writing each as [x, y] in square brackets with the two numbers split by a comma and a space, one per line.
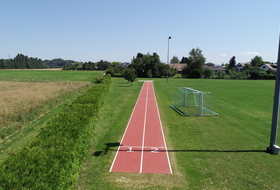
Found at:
[255, 74]
[221, 74]
[103, 65]
[149, 73]
[194, 67]
[185, 60]
[115, 64]
[207, 73]
[143, 63]
[232, 63]
[257, 61]
[209, 64]
[175, 59]
[130, 75]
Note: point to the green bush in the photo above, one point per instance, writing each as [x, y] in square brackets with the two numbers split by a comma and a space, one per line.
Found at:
[53, 159]
[98, 79]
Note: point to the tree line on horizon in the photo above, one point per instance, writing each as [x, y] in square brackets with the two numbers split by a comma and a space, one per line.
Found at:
[149, 66]
[21, 62]
[196, 62]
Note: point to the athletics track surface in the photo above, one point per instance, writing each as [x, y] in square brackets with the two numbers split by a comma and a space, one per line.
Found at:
[143, 148]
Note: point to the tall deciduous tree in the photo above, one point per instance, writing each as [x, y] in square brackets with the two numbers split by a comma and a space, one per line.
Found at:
[257, 61]
[143, 63]
[194, 67]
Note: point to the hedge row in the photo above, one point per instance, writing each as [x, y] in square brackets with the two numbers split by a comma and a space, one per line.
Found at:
[53, 160]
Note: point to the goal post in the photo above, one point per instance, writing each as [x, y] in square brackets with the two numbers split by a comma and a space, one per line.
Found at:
[188, 101]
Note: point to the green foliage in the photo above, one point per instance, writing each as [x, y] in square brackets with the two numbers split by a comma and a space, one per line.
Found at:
[255, 74]
[185, 60]
[53, 159]
[221, 74]
[103, 65]
[98, 79]
[175, 59]
[207, 73]
[232, 63]
[130, 75]
[46, 75]
[209, 64]
[194, 67]
[257, 61]
[143, 63]
[115, 71]
[21, 62]
[149, 73]
[58, 63]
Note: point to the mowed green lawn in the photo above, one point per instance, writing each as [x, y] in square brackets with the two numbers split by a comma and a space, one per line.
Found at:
[225, 151]
[47, 75]
[211, 152]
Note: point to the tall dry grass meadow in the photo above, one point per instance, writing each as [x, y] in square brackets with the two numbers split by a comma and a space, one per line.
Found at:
[19, 99]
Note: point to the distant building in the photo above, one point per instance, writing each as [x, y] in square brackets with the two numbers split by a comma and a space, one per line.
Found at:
[240, 66]
[178, 66]
[271, 66]
[214, 69]
[124, 64]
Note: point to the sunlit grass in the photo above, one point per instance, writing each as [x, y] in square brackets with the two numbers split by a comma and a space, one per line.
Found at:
[47, 75]
[211, 152]
[19, 100]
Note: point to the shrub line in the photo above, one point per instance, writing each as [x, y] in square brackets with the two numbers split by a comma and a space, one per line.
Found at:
[54, 158]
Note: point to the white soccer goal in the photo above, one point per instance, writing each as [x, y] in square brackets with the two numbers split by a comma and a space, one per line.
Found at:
[189, 101]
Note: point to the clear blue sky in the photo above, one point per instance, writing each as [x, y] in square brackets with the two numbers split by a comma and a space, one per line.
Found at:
[91, 30]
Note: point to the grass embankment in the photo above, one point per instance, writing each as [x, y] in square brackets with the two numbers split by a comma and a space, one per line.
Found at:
[212, 152]
[53, 159]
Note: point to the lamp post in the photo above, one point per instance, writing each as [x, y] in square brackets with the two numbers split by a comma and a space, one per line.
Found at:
[273, 148]
[167, 59]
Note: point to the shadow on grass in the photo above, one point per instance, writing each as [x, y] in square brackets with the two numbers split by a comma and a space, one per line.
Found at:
[216, 150]
[109, 147]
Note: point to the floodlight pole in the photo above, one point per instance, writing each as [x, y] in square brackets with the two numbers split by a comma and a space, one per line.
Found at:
[167, 59]
[273, 148]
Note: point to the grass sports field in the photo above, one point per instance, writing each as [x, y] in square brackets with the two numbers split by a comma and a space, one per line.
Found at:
[47, 75]
[212, 152]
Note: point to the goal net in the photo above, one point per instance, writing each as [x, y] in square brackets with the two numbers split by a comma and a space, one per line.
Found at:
[189, 101]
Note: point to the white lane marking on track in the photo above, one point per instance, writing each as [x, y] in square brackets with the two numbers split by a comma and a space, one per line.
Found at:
[144, 129]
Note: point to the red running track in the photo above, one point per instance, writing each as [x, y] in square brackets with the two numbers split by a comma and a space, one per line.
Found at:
[143, 148]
